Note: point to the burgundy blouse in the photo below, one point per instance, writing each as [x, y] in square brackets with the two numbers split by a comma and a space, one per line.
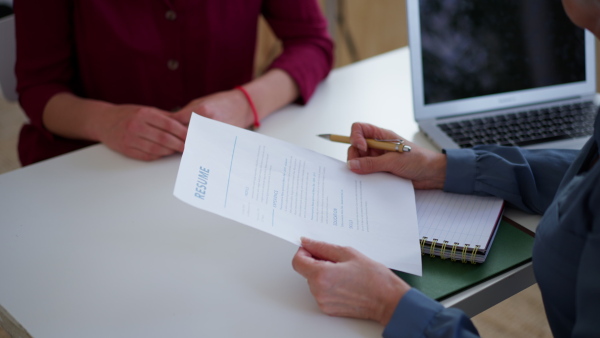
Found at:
[160, 53]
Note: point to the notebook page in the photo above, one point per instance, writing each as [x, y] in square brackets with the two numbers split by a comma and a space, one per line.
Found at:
[457, 218]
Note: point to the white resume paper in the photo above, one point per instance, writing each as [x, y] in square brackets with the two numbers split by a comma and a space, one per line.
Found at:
[290, 192]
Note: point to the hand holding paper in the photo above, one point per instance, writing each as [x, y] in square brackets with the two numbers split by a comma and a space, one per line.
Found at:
[290, 192]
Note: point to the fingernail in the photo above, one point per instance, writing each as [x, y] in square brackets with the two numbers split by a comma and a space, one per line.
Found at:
[353, 164]
[358, 146]
[305, 240]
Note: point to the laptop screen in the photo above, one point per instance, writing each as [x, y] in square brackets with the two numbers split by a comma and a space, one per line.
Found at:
[474, 48]
[473, 55]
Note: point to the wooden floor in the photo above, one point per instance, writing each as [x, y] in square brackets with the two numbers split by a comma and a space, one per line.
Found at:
[373, 27]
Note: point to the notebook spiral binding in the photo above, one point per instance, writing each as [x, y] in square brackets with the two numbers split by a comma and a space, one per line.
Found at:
[455, 253]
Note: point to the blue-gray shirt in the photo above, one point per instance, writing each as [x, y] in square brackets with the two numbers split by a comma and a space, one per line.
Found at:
[564, 186]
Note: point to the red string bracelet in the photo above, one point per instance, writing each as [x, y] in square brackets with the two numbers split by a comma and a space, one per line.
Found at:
[254, 112]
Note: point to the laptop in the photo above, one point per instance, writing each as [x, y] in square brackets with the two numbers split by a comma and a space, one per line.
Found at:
[510, 72]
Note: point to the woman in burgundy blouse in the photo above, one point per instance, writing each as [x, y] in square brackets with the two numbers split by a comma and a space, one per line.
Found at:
[129, 73]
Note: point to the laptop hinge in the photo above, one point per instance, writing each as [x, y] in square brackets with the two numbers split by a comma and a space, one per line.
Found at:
[577, 97]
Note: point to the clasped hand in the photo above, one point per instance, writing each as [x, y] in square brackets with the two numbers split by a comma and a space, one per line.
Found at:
[148, 133]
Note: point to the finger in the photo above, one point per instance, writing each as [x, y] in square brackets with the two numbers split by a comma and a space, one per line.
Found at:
[304, 263]
[131, 151]
[159, 139]
[183, 116]
[354, 152]
[361, 131]
[203, 109]
[147, 119]
[149, 139]
[168, 123]
[357, 136]
[151, 148]
[387, 162]
[159, 128]
[325, 251]
[142, 155]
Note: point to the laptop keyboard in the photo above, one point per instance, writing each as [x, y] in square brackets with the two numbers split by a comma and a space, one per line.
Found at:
[525, 127]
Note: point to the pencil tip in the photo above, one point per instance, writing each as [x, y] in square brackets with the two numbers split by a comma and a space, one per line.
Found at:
[325, 136]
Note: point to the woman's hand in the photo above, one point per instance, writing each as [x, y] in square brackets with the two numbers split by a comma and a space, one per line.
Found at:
[425, 168]
[346, 283]
[140, 132]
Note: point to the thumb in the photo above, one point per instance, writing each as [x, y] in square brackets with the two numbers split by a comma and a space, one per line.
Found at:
[325, 251]
[373, 164]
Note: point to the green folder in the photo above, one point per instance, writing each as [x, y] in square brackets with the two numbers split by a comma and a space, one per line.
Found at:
[443, 278]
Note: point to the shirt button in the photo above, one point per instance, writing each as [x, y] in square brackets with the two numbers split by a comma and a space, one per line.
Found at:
[173, 64]
[170, 15]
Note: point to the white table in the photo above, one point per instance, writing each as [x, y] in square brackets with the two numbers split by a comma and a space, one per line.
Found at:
[93, 244]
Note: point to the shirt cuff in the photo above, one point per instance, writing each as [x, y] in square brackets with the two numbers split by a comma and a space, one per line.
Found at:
[460, 171]
[412, 316]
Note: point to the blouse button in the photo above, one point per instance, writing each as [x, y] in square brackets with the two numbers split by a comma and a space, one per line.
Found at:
[173, 64]
[170, 15]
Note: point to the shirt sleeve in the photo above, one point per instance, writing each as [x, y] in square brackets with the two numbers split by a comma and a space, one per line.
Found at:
[307, 48]
[525, 178]
[420, 316]
[587, 295]
[45, 62]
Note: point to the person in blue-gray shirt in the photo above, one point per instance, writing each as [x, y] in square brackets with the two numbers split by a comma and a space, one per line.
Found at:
[563, 185]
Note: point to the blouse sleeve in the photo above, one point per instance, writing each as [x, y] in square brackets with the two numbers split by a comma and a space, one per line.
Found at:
[307, 48]
[526, 178]
[587, 295]
[45, 63]
[420, 316]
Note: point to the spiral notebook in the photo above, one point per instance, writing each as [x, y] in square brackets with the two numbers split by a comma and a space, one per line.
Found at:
[443, 278]
[455, 226]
